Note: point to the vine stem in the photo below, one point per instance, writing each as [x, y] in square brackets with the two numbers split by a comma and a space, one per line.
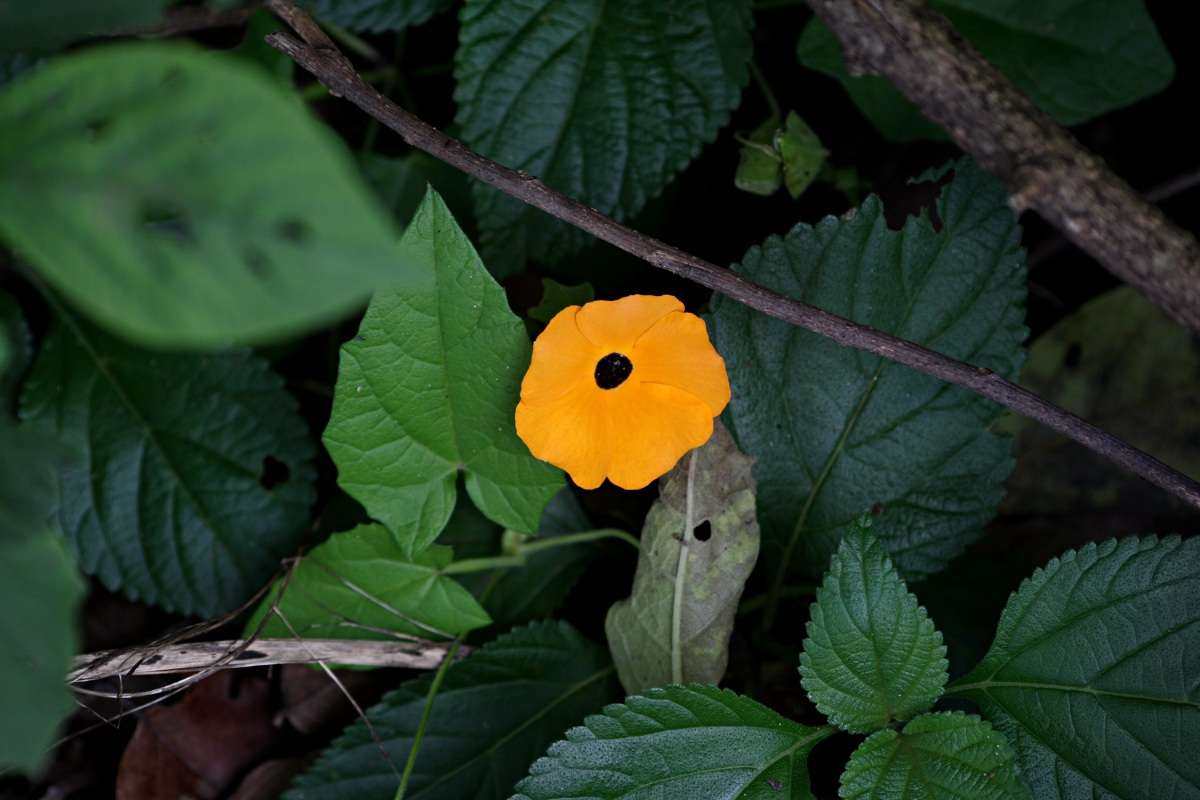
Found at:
[317, 54]
[435, 687]
[685, 540]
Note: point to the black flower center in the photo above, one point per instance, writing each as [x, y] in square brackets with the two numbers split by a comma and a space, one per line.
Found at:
[612, 370]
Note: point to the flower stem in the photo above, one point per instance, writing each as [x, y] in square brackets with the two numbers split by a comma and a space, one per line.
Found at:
[517, 558]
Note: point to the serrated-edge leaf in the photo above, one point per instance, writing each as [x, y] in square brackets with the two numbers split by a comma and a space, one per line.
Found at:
[164, 502]
[606, 102]
[1092, 674]
[944, 755]
[685, 741]
[872, 655]
[507, 700]
[376, 16]
[836, 433]
[428, 388]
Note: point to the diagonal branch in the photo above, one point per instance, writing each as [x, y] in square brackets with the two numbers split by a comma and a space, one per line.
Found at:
[321, 58]
[1045, 168]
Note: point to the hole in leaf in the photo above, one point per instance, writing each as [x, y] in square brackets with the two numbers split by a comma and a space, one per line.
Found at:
[167, 219]
[1074, 353]
[294, 230]
[97, 127]
[274, 472]
[256, 261]
[703, 531]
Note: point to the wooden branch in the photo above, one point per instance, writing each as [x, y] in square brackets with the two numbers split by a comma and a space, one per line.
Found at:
[333, 69]
[1045, 168]
[200, 656]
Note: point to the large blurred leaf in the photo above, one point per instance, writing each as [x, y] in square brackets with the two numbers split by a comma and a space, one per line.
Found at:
[604, 100]
[653, 629]
[836, 432]
[359, 584]
[1076, 60]
[40, 591]
[872, 655]
[1093, 672]
[171, 500]
[376, 16]
[252, 226]
[678, 742]
[935, 757]
[428, 388]
[1122, 364]
[496, 711]
[49, 24]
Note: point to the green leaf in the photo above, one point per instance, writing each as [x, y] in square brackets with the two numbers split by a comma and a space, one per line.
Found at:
[872, 655]
[675, 626]
[836, 432]
[946, 755]
[678, 742]
[168, 504]
[428, 387]
[376, 16]
[760, 167]
[1092, 674]
[359, 584]
[556, 297]
[605, 101]
[40, 592]
[50, 24]
[1075, 60]
[253, 227]
[496, 711]
[802, 153]
[1122, 364]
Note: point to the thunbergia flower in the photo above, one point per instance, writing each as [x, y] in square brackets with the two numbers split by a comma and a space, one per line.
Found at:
[621, 389]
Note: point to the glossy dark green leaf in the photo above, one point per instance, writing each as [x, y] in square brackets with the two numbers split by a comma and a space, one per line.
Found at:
[16, 352]
[936, 757]
[171, 500]
[254, 226]
[837, 433]
[675, 625]
[496, 711]
[1093, 672]
[40, 592]
[376, 16]
[606, 101]
[678, 743]
[1076, 60]
[360, 584]
[428, 388]
[872, 656]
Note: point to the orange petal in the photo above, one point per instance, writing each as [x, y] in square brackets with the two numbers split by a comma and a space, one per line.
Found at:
[677, 352]
[613, 326]
[562, 357]
[650, 427]
[570, 431]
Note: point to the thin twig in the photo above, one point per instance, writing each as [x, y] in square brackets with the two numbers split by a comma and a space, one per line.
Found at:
[318, 56]
[181, 658]
[1045, 168]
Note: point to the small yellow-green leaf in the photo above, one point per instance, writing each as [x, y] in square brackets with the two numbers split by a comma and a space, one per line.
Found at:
[556, 297]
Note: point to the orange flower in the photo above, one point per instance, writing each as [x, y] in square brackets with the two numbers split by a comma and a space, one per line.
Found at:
[621, 390]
